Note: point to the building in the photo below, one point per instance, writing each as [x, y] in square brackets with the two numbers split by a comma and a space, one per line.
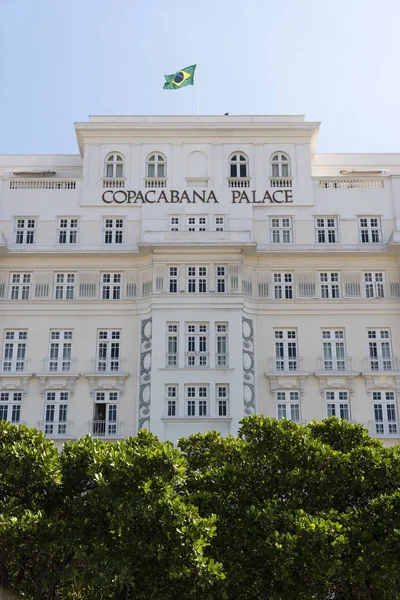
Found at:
[180, 273]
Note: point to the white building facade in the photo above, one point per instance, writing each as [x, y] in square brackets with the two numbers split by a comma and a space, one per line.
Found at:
[181, 273]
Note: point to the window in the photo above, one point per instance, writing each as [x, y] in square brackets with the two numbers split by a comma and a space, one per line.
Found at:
[105, 421]
[196, 279]
[67, 230]
[156, 165]
[326, 230]
[10, 407]
[25, 230]
[288, 405]
[114, 166]
[108, 351]
[286, 358]
[172, 344]
[385, 413]
[111, 286]
[283, 286]
[113, 231]
[196, 400]
[280, 165]
[333, 348]
[329, 285]
[55, 413]
[337, 404]
[171, 400]
[173, 279]
[222, 396]
[197, 344]
[14, 355]
[221, 358]
[174, 223]
[380, 350]
[219, 223]
[64, 287]
[374, 285]
[369, 229]
[238, 165]
[196, 223]
[220, 279]
[281, 230]
[60, 351]
[20, 286]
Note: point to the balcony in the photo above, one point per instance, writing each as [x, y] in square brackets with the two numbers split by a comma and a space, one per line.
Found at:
[197, 182]
[381, 364]
[155, 182]
[384, 429]
[335, 365]
[15, 365]
[280, 182]
[42, 184]
[105, 429]
[238, 182]
[107, 365]
[286, 365]
[59, 365]
[56, 429]
[198, 237]
[197, 360]
[113, 182]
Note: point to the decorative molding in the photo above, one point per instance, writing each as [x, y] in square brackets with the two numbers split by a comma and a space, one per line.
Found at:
[15, 383]
[249, 392]
[336, 381]
[292, 382]
[381, 382]
[146, 332]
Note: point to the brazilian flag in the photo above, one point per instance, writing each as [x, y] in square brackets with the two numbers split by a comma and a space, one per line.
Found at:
[180, 79]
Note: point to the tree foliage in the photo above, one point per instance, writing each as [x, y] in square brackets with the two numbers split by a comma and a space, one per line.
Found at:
[281, 512]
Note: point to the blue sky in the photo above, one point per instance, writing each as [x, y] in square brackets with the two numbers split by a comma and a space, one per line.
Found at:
[336, 62]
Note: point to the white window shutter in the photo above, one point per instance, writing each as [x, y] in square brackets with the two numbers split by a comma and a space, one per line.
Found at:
[160, 276]
[263, 284]
[131, 278]
[233, 278]
[393, 283]
[351, 284]
[42, 284]
[3, 283]
[146, 282]
[306, 284]
[88, 284]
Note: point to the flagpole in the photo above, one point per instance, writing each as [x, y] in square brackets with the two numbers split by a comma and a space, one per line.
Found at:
[197, 97]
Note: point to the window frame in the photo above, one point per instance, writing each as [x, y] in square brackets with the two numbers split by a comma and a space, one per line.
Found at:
[289, 403]
[326, 230]
[25, 231]
[156, 163]
[20, 290]
[370, 230]
[13, 403]
[377, 288]
[329, 289]
[199, 403]
[235, 164]
[69, 231]
[280, 163]
[114, 164]
[281, 230]
[117, 233]
[64, 286]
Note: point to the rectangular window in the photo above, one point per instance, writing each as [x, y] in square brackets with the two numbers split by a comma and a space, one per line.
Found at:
[385, 413]
[286, 358]
[105, 423]
[196, 279]
[219, 223]
[222, 397]
[60, 351]
[326, 230]
[220, 279]
[337, 404]
[221, 358]
[67, 230]
[369, 229]
[55, 413]
[380, 350]
[288, 405]
[20, 286]
[334, 351]
[197, 345]
[64, 286]
[196, 400]
[196, 223]
[14, 354]
[174, 223]
[10, 407]
[173, 279]
[108, 350]
[25, 230]
[329, 285]
[113, 231]
[111, 286]
[283, 286]
[281, 230]
[374, 285]
[172, 345]
[172, 400]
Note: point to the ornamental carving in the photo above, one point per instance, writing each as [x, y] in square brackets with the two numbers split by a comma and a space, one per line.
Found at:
[145, 373]
[249, 392]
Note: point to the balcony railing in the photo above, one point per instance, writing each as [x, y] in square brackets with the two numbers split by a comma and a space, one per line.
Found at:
[384, 428]
[172, 360]
[197, 182]
[15, 365]
[55, 429]
[239, 182]
[381, 364]
[59, 365]
[114, 182]
[285, 365]
[155, 182]
[107, 365]
[221, 360]
[280, 182]
[335, 364]
[105, 428]
[196, 359]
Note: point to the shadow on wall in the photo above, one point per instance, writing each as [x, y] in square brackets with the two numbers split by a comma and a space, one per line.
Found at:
[5, 595]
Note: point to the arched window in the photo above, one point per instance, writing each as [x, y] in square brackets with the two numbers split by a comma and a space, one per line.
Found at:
[156, 165]
[238, 165]
[280, 165]
[114, 165]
